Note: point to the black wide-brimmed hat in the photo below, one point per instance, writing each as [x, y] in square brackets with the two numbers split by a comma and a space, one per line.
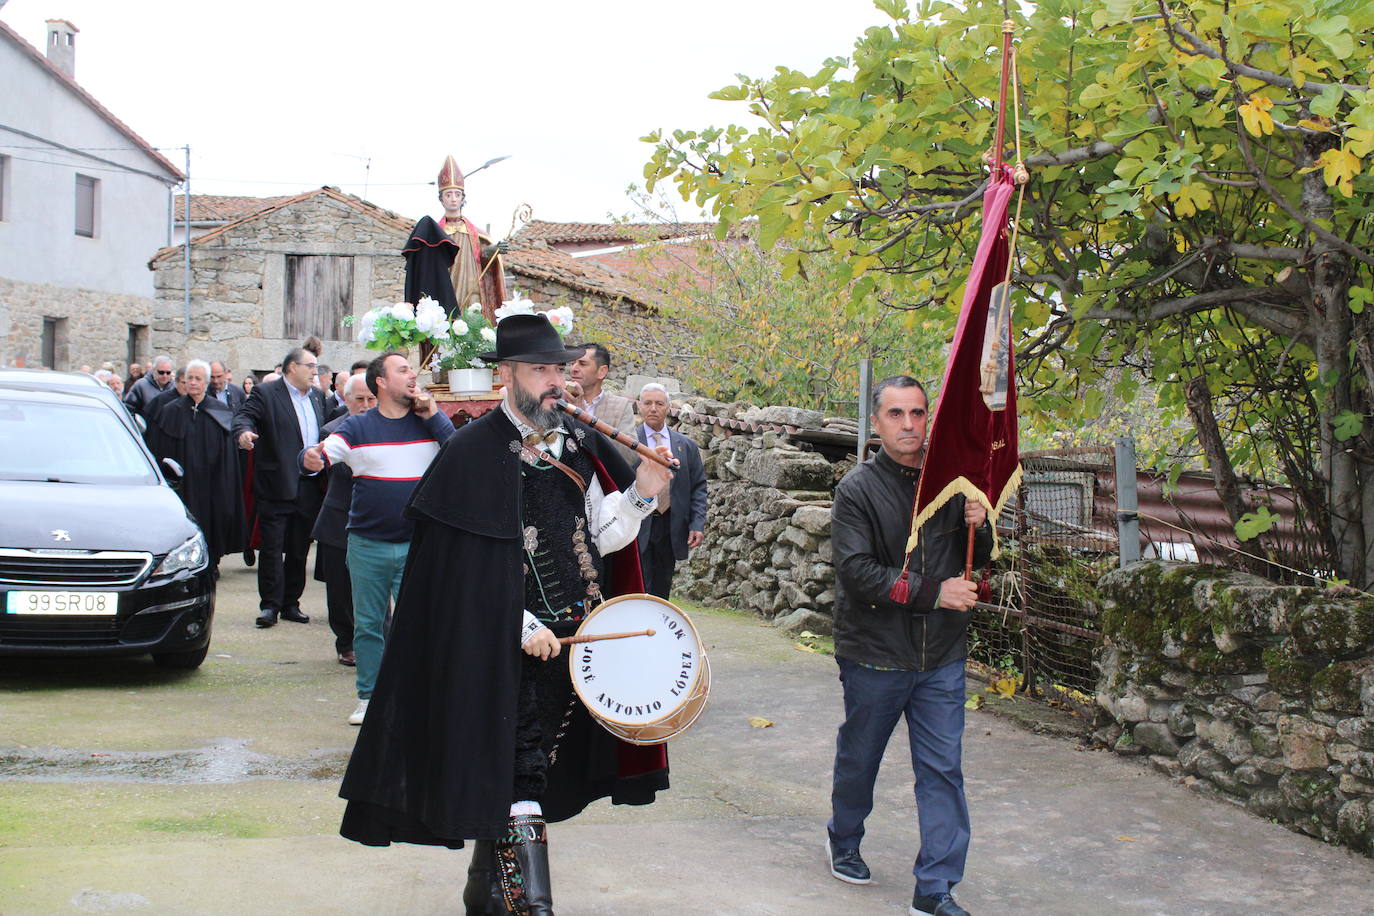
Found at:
[530, 339]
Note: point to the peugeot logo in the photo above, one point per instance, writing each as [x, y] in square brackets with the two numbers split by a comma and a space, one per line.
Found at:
[59, 535]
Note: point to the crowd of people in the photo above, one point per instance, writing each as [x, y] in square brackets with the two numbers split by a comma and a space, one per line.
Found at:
[442, 550]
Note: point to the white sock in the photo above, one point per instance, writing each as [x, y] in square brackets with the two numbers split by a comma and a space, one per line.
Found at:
[524, 808]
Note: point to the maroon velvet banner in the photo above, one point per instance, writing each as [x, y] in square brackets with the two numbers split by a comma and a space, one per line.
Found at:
[972, 449]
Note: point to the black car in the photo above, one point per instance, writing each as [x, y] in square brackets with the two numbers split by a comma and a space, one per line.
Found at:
[98, 555]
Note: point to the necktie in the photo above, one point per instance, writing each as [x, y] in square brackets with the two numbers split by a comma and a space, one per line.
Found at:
[665, 498]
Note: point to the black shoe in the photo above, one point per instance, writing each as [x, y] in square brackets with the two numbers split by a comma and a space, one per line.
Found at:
[267, 618]
[249, 557]
[294, 615]
[935, 905]
[522, 859]
[847, 864]
[479, 896]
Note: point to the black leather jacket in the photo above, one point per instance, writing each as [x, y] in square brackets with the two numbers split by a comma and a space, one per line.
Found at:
[868, 528]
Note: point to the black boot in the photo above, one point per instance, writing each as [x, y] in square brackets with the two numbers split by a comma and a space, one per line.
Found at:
[522, 860]
[480, 896]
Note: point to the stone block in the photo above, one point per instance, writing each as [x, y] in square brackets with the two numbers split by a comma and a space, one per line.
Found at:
[1266, 803]
[1159, 710]
[1336, 627]
[1209, 763]
[1126, 746]
[1155, 737]
[1355, 825]
[1251, 775]
[814, 519]
[804, 620]
[826, 599]
[823, 552]
[1264, 740]
[791, 597]
[1181, 723]
[765, 532]
[786, 416]
[798, 538]
[784, 470]
[1132, 708]
[1352, 785]
[1359, 731]
[1303, 743]
[1226, 738]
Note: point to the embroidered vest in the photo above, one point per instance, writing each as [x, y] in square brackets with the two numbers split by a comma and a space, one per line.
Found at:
[559, 549]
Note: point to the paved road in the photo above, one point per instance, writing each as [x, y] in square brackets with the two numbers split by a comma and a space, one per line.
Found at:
[124, 788]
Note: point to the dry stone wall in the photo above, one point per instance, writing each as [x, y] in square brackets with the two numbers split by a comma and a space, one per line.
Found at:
[768, 526]
[1264, 693]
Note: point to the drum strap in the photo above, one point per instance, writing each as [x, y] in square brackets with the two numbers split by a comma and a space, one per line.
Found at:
[533, 455]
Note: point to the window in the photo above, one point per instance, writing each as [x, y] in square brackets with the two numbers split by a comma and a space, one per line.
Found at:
[319, 293]
[4, 186]
[87, 197]
[55, 343]
[137, 343]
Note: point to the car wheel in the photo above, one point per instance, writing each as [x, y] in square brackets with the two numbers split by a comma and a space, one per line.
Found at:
[184, 660]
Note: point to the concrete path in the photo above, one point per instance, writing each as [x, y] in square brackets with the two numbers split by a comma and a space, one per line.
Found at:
[127, 789]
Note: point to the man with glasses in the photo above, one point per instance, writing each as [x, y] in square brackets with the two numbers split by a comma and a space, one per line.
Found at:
[157, 380]
[279, 419]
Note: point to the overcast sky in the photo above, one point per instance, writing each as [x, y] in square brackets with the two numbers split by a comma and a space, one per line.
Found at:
[280, 97]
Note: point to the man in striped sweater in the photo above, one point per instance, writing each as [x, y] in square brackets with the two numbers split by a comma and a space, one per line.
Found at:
[388, 450]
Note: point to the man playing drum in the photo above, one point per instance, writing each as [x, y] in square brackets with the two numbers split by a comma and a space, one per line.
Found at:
[522, 523]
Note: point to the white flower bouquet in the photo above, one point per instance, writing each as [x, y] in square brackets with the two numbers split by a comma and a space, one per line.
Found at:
[403, 326]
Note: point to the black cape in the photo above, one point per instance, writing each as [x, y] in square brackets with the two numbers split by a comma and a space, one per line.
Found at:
[199, 440]
[429, 254]
[434, 761]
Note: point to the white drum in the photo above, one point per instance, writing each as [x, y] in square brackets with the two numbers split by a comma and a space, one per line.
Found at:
[642, 689]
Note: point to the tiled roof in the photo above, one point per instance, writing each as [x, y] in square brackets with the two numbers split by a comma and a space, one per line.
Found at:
[610, 232]
[89, 99]
[387, 217]
[215, 208]
[539, 261]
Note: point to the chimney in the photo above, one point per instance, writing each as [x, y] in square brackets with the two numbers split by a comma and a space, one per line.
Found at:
[61, 47]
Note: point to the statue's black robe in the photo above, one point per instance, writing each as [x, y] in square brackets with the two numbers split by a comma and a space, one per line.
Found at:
[429, 254]
[434, 761]
[198, 439]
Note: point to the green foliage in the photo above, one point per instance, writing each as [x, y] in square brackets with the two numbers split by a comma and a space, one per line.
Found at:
[770, 333]
[1201, 196]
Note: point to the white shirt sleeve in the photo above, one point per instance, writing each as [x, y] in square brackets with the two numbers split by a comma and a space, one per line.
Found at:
[528, 627]
[614, 518]
[336, 449]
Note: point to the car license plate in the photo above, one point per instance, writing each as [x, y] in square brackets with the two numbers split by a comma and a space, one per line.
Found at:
[65, 604]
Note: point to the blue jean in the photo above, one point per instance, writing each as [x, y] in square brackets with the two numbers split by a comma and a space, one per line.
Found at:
[375, 569]
[933, 702]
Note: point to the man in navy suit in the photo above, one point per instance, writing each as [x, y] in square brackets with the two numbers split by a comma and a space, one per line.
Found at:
[277, 421]
[678, 522]
[223, 390]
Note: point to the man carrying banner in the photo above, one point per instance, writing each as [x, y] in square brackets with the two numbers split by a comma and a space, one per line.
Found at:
[902, 657]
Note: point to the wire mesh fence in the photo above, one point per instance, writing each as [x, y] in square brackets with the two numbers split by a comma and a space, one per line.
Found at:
[1058, 537]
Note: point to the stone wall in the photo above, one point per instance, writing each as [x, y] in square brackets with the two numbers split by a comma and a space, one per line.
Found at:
[768, 525]
[1262, 693]
[96, 329]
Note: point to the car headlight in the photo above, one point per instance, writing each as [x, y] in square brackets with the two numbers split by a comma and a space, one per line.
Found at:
[191, 555]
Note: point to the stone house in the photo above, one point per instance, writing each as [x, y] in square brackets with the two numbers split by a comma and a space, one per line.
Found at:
[299, 265]
[83, 199]
[210, 211]
[262, 283]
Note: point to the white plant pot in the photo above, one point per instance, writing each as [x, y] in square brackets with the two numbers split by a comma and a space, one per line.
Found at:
[469, 381]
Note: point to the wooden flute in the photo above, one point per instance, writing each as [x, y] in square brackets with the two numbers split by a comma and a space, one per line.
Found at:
[610, 431]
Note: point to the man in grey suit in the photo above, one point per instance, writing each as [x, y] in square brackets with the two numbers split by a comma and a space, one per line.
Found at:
[589, 372]
[678, 522]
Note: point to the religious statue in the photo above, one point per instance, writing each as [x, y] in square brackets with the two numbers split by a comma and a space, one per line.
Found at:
[450, 261]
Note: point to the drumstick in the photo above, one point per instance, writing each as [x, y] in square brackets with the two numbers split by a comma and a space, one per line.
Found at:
[611, 432]
[597, 637]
